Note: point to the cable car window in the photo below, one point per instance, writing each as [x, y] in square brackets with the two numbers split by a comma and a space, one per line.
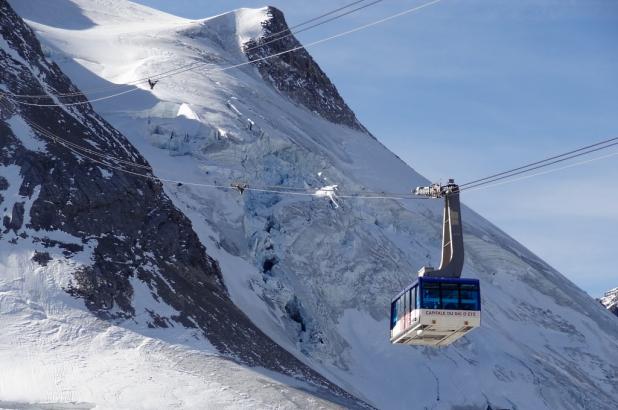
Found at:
[409, 297]
[408, 302]
[410, 307]
[431, 295]
[413, 298]
[449, 293]
[469, 297]
[393, 314]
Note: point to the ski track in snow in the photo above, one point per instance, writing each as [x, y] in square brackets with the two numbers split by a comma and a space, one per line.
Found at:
[538, 347]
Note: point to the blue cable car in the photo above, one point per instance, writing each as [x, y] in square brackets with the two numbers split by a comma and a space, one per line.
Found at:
[439, 307]
[435, 311]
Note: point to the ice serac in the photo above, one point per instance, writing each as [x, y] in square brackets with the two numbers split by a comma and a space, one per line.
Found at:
[610, 300]
[316, 273]
[110, 239]
[295, 74]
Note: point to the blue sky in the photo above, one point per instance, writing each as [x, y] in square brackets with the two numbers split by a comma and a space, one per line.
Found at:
[465, 88]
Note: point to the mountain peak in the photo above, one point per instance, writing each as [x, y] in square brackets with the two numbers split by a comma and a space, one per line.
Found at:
[294, 74]
[250, 23]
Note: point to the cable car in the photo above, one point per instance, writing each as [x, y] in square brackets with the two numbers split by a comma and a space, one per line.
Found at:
[439, 307]
[435, 311]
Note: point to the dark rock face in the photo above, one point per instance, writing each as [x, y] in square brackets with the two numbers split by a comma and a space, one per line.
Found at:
[42, 258]
[133, 229]
[296, 74]
[14, 222]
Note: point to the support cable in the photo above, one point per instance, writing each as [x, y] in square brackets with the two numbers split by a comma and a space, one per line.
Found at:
[199, 64]
[575, 164]
[314, 43]
[107, 161]
[488, 183]
[543, 165]
[539, 162]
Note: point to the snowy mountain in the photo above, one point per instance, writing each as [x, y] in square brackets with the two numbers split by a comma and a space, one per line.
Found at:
[313, 274]
[610, 300]
[82, 242]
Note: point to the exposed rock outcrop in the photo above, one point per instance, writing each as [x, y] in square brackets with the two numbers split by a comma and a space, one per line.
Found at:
[296, 74]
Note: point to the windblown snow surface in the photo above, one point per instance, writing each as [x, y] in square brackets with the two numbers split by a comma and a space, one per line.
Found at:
[314, 273]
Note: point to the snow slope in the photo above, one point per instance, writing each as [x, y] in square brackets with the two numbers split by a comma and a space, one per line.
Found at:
[94, 263]
[315, 276]
[54, 352]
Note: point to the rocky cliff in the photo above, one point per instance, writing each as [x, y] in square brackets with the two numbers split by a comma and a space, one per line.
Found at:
[296, 74]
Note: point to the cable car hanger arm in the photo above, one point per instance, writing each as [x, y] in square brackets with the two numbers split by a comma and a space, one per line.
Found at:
[451, 263]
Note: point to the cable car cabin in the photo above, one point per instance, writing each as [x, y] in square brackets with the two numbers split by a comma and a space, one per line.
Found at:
[435, 311]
